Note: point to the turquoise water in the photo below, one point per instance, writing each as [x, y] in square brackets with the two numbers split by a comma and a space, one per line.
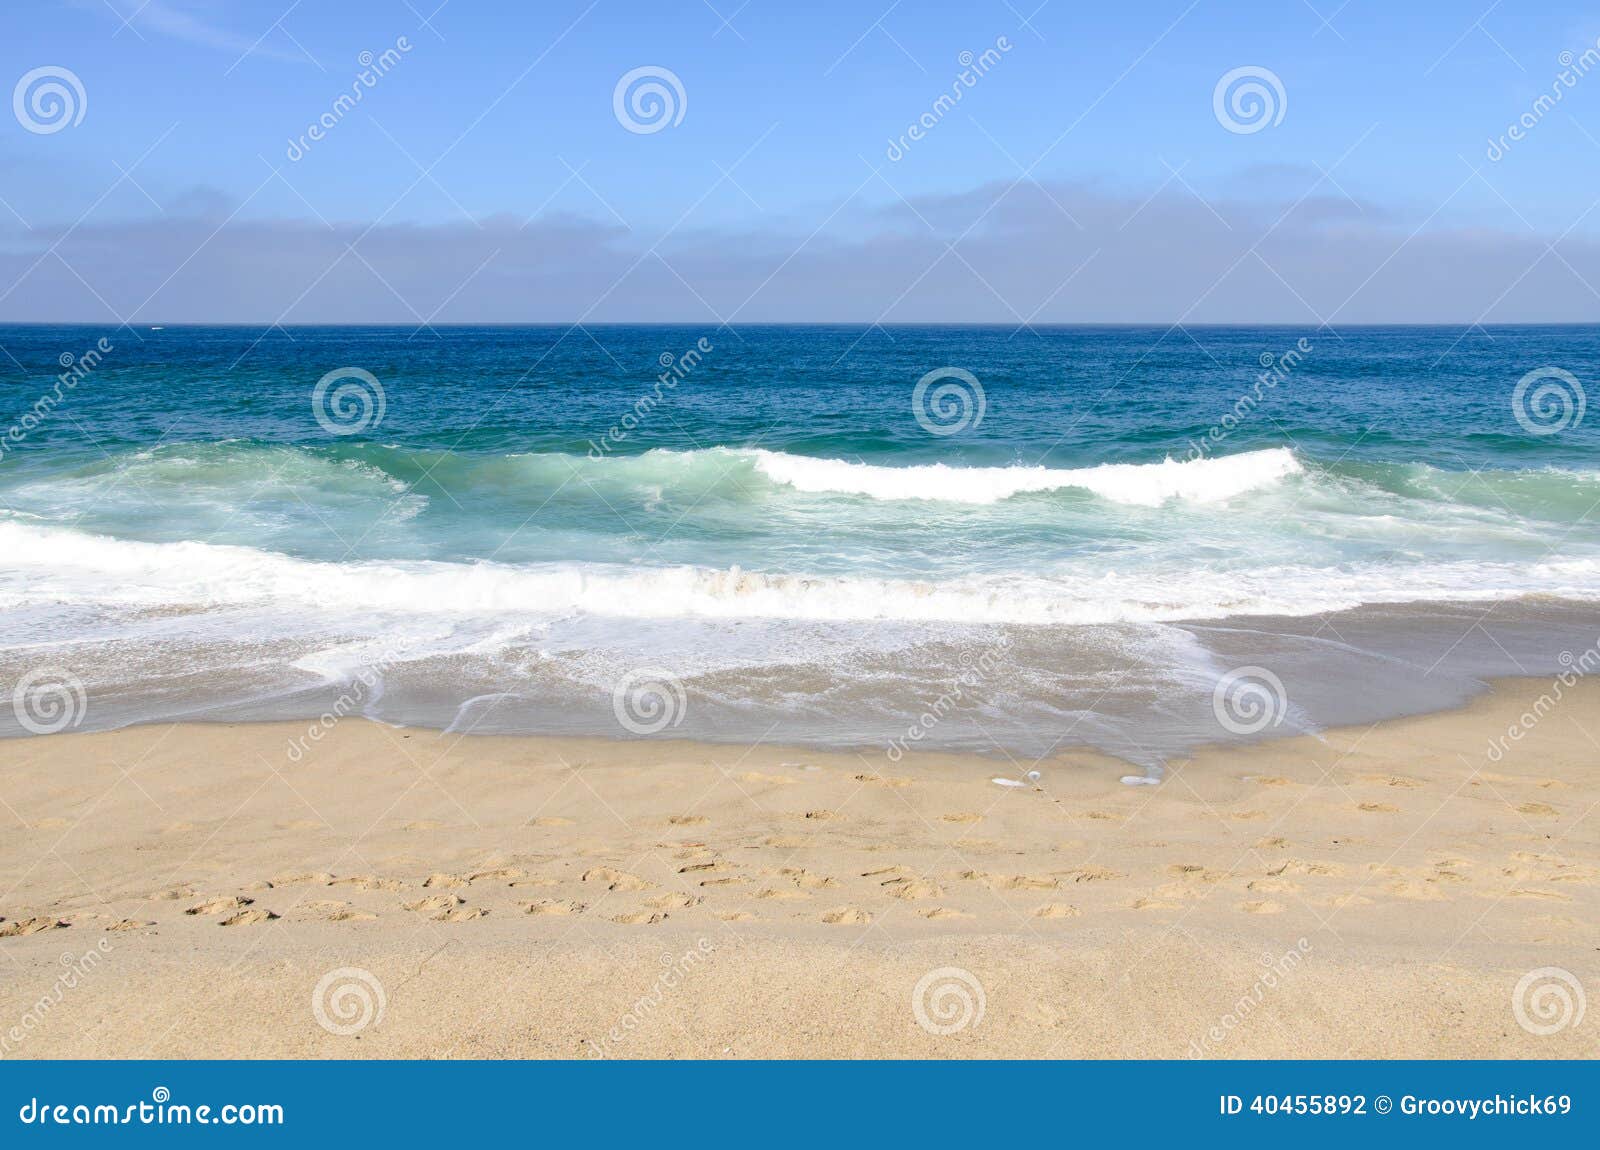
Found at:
[496, 526]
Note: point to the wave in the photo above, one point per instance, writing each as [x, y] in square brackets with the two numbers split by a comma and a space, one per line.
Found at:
[45, 565]
[200, 471]
[1139, 484]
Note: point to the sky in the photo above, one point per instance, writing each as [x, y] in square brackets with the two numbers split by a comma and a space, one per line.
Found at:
[207, 161]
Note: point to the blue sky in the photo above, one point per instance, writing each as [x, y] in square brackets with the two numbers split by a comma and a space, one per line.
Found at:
[788, 109]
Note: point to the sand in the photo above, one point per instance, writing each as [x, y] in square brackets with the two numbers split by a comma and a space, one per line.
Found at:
[191, 890]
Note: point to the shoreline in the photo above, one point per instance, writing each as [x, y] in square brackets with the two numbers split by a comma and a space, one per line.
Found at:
[1366, 664]
[1372, 891]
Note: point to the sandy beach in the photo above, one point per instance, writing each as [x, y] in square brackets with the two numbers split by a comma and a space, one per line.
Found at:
[192, 891]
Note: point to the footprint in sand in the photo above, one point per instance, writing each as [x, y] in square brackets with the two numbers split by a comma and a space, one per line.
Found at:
[248, 918]
[1273, 886]
[823, 815]
[773, 892]
[1542, 809]
[641, 918]
[437, 902]
[30, 926]
[1025, 882]
[368, 882]
[688, 820]
[525, 883]
[460, 914]
[962, 817]
[1263, 906]
[220, 905]
[944, 912]
[505, 873]
[1056, 910]
[613, 879]
[672, 900]
[1306, 866]
[913, 889]
[1273, 842]
[1380, 808]
[1192, 872]
[556, 906]
[736, 916]
[446, 881]
[847, 916]
[1152, 904]
[129, 924]
[320, 878]
[1092, 874]
[805, 879]
[706, 867]
[1526, 892]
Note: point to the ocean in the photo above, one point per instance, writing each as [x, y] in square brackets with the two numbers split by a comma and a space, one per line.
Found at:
[1016, 542]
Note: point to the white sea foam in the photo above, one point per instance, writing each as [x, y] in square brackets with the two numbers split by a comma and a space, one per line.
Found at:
[1141, 484]
[58, 565]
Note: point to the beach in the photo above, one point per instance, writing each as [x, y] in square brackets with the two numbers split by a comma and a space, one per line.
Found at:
[1396, 889]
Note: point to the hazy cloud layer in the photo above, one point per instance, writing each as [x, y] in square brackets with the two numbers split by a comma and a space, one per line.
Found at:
[1050, 253]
